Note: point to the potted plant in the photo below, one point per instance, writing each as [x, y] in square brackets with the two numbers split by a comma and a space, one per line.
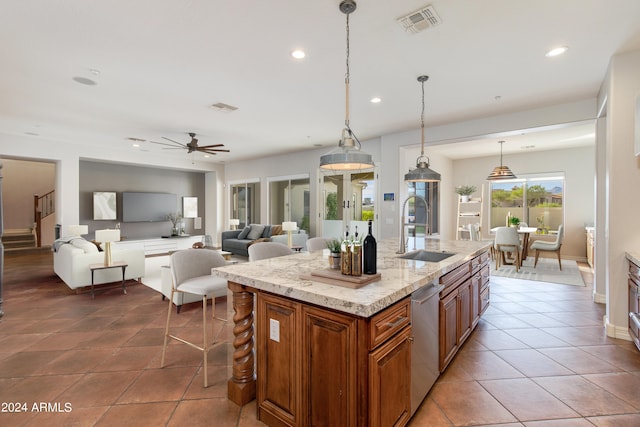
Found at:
[514, 221]
[334, 256]
[465, 191]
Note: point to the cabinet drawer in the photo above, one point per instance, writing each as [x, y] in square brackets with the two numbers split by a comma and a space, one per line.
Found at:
[454, 278]
[388, 322]
[478, 262]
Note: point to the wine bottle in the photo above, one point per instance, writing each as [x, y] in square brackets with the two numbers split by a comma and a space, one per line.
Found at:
[370, 252]
[356, 255]
[345, 254]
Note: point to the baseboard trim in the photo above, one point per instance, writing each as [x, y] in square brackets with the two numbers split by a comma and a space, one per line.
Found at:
[614, 331]
[599, 298]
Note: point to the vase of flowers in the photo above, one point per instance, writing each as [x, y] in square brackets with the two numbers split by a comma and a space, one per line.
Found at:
[176, 221]
[464, 191]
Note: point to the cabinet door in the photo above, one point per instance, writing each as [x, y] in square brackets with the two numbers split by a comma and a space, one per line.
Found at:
[448, 329]
[390, 382]
[278, 366]
[464, 311]
[329, 370]
[476, 284]
[634, 307]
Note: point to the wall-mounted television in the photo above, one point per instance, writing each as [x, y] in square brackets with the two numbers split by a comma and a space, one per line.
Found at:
[146, 207]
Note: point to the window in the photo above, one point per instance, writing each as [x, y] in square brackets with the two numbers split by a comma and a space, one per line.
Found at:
[430, 215]
[289, 201]
[245, 202]
[544, 207]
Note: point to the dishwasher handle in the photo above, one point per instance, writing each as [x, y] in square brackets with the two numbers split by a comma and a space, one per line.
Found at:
[424, 294]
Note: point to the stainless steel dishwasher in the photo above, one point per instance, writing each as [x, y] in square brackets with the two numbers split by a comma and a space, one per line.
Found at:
[424, 352]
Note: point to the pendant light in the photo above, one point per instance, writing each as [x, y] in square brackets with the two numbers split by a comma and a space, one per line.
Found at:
[422, 173]
[347, 156]
[501, 172]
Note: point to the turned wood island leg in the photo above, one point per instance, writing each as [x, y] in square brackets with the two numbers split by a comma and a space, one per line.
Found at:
[241, 388]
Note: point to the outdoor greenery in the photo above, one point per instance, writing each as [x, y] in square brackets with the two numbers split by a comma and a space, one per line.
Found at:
[332, 206]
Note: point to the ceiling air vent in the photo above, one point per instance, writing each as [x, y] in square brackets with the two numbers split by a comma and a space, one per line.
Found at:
[420, 20]
[225, 108]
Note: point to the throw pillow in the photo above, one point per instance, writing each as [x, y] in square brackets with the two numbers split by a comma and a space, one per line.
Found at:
[276, 230]
[243, 234]
[256, 232]
[87, 247]
[97, 245]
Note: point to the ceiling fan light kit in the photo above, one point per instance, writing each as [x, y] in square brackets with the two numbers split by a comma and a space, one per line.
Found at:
[348, 156]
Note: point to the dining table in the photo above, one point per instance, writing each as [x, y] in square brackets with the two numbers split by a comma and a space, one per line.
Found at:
[525, 232]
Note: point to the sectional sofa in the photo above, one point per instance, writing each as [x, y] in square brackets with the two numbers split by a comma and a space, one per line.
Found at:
[238, 241]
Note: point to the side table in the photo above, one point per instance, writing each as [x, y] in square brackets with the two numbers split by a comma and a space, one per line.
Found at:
[117, 264]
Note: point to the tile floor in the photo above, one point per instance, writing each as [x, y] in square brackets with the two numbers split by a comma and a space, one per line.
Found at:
[539, 357]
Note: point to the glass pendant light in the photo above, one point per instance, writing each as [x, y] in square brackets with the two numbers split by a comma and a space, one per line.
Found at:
[348, 156]
[501, 172]
[422, 173]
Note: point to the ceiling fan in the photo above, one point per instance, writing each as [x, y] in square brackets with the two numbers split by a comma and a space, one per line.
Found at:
[192, 145]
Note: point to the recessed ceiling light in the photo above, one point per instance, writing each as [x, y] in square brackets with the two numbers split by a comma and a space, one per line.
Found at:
[206, 156]
[32, 134]
[317, 145]
[557, 51]
[136, 145]
[298, 54]
[84, 81]
[376, 100]
[527, 147]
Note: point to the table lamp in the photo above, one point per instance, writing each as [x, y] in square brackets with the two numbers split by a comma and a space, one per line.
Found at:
[289, 226]
[234, 223]
[107, 236]
[77, 230]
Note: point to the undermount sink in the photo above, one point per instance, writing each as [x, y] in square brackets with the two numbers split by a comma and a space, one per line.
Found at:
[430, 256]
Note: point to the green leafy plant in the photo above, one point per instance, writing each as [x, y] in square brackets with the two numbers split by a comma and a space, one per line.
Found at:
[466, 190]
[514, 220]
[334, 246]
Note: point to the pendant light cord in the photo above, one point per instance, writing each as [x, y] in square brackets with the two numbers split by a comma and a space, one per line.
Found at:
[422, 123]
[346, 81]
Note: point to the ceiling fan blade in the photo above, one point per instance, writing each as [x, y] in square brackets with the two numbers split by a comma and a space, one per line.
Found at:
[210, 151]
[161, 143]
[175, 142]
[212, 146]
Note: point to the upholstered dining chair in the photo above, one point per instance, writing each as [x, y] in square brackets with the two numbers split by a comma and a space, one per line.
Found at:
[507, 240]
[264, 250]
[555, 246]
[317, 244]
[191, 273]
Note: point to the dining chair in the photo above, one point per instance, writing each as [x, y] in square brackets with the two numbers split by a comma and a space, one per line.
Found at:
[555, 246]
[317, 244]
[264, 250]
[191, 274]
[507, 241]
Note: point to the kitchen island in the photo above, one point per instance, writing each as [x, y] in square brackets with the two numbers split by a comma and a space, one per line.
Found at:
[334, 355]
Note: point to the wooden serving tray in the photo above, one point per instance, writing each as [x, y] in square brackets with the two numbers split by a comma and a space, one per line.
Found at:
[335, 277]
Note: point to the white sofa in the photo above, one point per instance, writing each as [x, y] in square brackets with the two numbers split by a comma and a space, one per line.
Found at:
[72, 257]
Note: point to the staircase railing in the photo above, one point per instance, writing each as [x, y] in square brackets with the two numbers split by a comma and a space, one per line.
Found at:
[43, 206]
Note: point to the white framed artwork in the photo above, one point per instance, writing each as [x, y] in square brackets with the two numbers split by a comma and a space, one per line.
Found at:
[104, 205]
[189, 207]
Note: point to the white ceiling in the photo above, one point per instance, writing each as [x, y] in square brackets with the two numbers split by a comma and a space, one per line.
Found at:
[162, 64]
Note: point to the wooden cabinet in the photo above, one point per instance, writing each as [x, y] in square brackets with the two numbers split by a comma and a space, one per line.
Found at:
[634, 303]
[329, 368]
[318, 367]
[462, 301]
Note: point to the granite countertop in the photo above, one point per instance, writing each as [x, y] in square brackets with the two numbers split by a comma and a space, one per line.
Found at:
[400, 277]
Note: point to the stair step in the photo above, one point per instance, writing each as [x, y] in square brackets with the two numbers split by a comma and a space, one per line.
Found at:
[26, 251]
[19, 244]
[18, 237]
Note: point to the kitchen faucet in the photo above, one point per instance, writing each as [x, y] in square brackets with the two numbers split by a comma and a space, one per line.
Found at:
[403, 244]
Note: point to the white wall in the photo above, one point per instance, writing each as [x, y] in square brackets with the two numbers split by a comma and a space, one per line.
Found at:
[578, 166]
[622, 178]
[67, 158]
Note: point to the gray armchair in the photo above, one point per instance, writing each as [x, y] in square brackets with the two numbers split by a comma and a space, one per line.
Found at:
[539, 245]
